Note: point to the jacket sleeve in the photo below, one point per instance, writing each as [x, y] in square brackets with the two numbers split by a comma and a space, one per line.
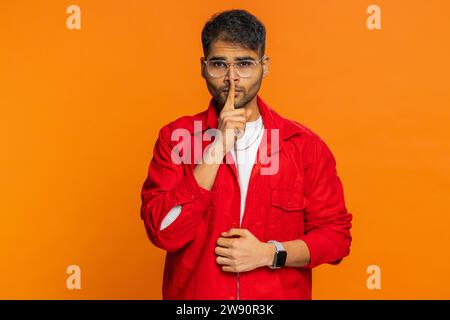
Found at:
[167, 185]
[327, 221]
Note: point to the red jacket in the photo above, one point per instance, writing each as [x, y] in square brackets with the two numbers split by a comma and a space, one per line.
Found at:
[303, 200]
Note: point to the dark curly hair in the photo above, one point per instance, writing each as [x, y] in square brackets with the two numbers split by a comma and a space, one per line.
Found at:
[237, 27]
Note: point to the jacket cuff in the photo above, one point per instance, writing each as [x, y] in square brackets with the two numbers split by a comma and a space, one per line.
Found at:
[191, 195]
[316, 243]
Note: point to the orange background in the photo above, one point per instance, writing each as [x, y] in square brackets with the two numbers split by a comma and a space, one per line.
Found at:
[81, 109]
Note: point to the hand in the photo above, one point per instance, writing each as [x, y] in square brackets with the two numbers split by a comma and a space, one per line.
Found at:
[238, 250]
[231, 119]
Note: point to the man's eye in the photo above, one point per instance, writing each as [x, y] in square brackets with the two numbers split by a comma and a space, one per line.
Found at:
[219, 64]
[245, 64]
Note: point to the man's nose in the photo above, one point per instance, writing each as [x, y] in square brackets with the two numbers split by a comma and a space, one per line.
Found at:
[232, 74]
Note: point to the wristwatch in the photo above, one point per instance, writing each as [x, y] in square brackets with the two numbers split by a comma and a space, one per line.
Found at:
[279, 258]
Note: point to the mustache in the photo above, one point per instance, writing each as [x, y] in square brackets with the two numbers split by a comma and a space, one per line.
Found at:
[235, 89]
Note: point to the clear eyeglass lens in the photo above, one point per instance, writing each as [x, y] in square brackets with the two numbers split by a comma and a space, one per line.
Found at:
[220, 68]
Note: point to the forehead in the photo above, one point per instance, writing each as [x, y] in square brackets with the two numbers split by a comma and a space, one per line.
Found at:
[230, 51]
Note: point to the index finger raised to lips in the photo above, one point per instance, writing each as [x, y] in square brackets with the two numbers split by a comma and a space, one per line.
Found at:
[229, 103]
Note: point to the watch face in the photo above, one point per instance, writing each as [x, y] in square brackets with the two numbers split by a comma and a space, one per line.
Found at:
[281, 259]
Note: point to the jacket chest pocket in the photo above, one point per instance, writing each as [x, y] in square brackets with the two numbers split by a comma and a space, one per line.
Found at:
[285, 216]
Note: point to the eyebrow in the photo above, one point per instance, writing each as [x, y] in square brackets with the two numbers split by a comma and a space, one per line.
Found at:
[218, 58]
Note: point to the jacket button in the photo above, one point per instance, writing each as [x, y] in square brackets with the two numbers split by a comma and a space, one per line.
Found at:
[231, 298]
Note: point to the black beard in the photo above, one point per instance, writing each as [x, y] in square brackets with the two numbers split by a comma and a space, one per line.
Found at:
[219, 102]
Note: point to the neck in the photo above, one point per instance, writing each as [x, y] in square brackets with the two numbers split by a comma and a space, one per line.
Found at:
[253, 105]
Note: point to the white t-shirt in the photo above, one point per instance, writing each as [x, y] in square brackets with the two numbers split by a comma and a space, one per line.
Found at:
[246, 148]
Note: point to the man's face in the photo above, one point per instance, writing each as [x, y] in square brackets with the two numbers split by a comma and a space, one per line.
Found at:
[246, 88]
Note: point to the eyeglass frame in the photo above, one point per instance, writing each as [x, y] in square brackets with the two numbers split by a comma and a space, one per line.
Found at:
[205, 61]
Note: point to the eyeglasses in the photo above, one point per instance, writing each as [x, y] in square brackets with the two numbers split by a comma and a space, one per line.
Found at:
[219, 68]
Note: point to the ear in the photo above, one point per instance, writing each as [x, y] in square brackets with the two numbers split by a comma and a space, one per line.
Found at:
[265, 66]
[202, 67]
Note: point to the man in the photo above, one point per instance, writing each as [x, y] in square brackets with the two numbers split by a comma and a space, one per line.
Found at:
[234, 229]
